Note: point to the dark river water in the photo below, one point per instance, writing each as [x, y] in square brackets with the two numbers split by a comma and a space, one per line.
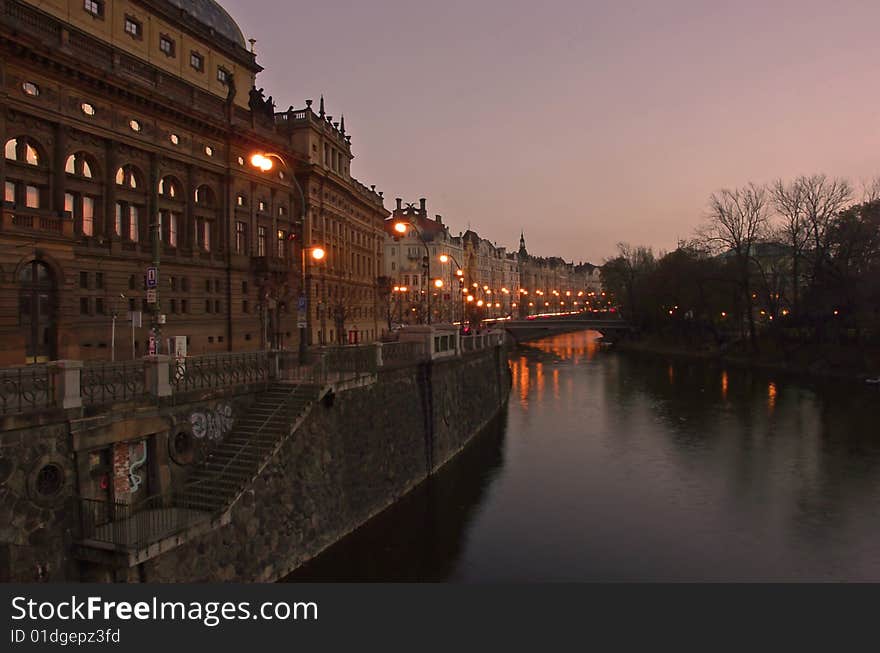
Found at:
[620, 467]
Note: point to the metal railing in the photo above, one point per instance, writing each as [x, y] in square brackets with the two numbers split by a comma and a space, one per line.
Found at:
[25, 389]
[402, 353]
[219, 370]
[105, 383]
[329, 364]
[139, 524]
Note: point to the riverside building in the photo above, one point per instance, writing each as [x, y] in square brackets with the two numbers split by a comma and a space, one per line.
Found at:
[129, 131]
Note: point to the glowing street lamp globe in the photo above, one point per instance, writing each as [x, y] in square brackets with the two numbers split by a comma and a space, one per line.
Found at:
[262, 162]
[444, 258]
[438, 283]
[400, 227]
[318, 253]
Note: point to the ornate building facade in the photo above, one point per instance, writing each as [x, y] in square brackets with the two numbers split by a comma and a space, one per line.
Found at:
[129, 129]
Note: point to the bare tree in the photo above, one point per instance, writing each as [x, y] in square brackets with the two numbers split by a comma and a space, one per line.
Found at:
[790, 203]
[871, 190]
[736, 220]
[823, 200]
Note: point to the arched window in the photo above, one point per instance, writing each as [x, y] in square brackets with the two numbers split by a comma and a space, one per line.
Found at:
[82, 194]
[78, 164]
[207, 238]
[169, 188]
[128, 176]
[23, 150]
[171, 198]
[204, 196]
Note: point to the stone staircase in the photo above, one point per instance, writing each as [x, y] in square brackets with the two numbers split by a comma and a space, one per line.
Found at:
[215, 486]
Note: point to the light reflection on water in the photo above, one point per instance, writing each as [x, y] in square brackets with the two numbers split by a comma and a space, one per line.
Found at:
[622, 467]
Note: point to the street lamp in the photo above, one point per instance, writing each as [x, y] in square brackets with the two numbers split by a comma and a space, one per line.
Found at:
[318, 255]
[263, 162]
[445, 258]
[400, 227]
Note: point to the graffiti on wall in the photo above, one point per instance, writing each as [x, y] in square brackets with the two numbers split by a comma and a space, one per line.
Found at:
[137, 456]
[213, 423]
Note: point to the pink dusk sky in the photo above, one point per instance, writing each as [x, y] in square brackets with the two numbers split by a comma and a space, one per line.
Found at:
[582, 123]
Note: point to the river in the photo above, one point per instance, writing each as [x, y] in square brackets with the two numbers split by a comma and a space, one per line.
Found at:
[622, 467]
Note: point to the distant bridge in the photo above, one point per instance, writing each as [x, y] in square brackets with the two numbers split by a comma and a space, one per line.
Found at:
[542, 327]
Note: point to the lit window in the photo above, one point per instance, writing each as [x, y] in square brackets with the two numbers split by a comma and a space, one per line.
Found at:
[240, 237]
[174, 138]
[30, 88]
[166, 45]
[135, 125]
[239, 200]
[240, 161]
[87, 109]
[206, 236]
[87, 170]
[133, 223]
[10, 148]
[69, 165]
[30, 154]
[94, 7]
[282, 210]
[261, 241]
[117, 225]
[9, 192]
[197, 61]
[282, 238]
[68, 203]
[88, 216]
[261, 206]
[209, 150]
[172, 230]
[32, 197]
[125, 177]
[133, 27]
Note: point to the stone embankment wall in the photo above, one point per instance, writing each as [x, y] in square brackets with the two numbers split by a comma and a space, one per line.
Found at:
[357, 453]
[39, 513]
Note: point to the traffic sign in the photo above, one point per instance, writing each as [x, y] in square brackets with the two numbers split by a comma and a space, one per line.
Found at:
[152, 277]
[301, 304]
[151, 296]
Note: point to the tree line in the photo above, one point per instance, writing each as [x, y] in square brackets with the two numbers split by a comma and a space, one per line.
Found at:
[794, 260]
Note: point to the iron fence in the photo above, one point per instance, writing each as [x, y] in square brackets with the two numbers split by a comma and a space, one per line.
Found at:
[104, 383]
[219, 370]
[25, 389]
[139, 524]
[402, 353]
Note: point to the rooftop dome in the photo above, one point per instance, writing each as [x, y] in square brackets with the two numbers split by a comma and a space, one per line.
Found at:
[214, 16]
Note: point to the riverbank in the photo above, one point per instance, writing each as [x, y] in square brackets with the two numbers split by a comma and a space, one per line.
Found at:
[821, 361]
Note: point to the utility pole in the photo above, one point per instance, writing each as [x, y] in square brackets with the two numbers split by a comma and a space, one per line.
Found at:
[155, 235]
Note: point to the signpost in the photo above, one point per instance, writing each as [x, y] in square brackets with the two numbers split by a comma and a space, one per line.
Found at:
[152, 277]
[301, 317]
[151, 296]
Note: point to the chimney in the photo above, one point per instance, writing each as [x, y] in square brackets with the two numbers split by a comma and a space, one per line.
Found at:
[439, 219]
[399, 203]
[422, 202]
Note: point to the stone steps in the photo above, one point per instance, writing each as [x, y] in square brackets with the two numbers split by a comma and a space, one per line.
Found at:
[234, 462]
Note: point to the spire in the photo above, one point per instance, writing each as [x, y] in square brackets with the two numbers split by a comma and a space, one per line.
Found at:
[522, 244]
[321, 112]
[342, 124]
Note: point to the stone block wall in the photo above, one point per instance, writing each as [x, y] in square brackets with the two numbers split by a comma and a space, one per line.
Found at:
[358, 452]
[37, 509]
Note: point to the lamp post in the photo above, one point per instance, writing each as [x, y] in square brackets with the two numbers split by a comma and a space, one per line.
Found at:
[263, 162]
[318, 256]
[400, 227]
[459, 273]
